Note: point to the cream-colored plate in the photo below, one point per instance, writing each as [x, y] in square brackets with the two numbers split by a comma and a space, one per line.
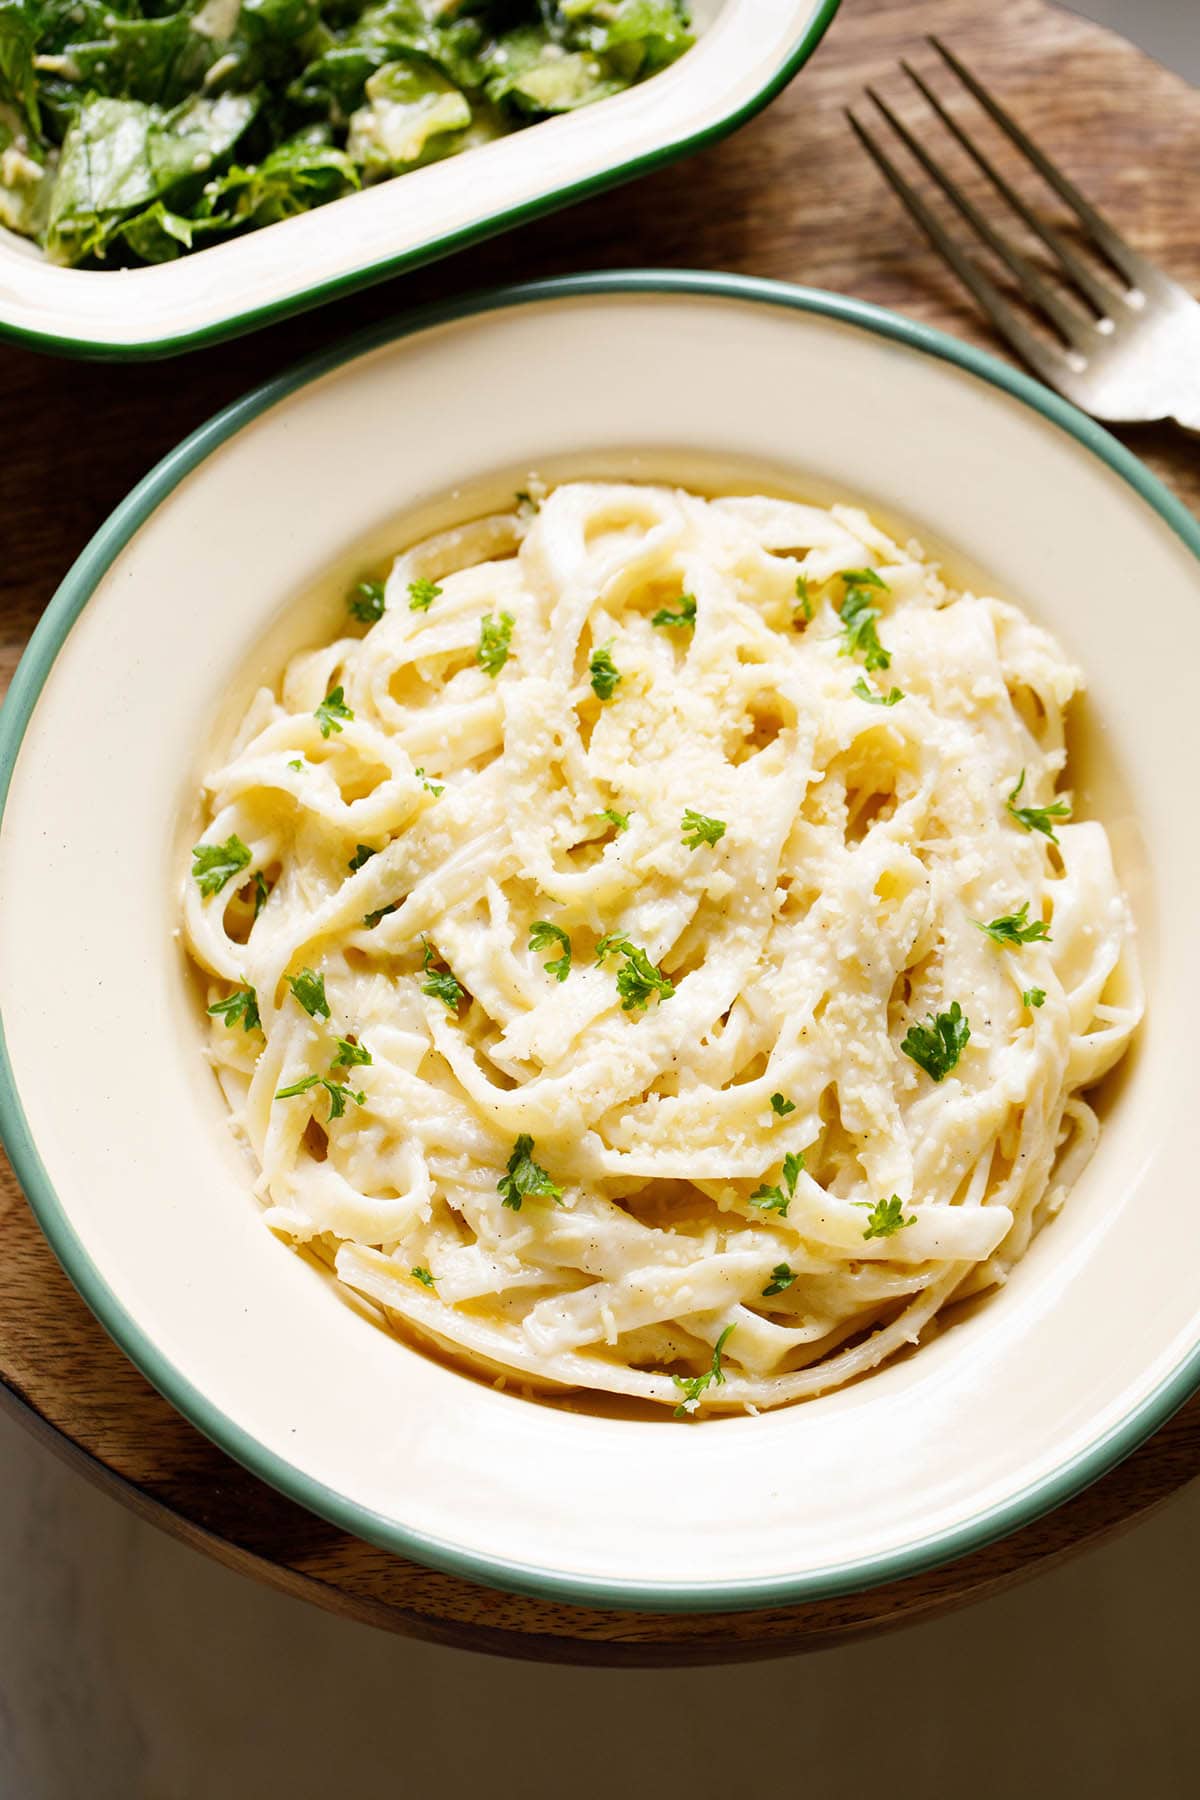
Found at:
[116, 1125]
[745, 51]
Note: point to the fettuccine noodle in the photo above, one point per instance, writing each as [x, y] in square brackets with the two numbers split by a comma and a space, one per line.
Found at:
[746, 1153]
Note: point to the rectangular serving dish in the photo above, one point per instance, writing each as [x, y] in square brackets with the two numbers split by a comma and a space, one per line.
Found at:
[746, 50]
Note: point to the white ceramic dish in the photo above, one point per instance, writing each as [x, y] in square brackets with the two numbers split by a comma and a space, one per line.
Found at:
[116, 1128]
[746, 50]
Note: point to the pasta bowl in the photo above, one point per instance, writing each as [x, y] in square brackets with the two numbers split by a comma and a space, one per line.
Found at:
[745, 52]
[185, 600]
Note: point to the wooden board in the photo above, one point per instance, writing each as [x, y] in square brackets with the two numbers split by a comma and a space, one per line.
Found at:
[790, 196]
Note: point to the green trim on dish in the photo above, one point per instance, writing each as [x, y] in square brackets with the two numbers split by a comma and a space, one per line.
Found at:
[35, 666]
[256, 317]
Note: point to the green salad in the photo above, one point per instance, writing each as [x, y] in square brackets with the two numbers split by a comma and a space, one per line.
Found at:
[132, 131]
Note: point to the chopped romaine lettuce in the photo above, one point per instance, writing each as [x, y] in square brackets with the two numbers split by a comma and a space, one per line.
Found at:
[137, 130]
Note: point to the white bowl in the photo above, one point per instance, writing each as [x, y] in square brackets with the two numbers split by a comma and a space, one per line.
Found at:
[746, 50]
[197, 585]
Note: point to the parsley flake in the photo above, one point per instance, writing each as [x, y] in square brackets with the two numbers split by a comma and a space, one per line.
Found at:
[872, 698]
[683, 620]
[541, 935]
[366, 602]
[936, 1047]
[261, 891]
[698, 829]
[431, 787]
[423, 1276]
[781, 1280]
[350, 1054]
[337, 1090]
[618, 820]
[1037, 818]
[362, 854]
[1014, 928]
[639, 980]
[774, 1199]
[422, 593]
[1033, 997]
[332, 711]
[213, 864]
[604, 673]
[526, 1179]
[858, 616]
[241, 1005]
[495, 637]
[297, 762]
[371, 919]
[527, 506]
[886, 1217]
[309, 989]
[804, 603]
[781, 1106]
[696, 1386]
[441, 984]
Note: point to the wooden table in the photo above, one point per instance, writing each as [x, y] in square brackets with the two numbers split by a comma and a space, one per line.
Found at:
[790, 196]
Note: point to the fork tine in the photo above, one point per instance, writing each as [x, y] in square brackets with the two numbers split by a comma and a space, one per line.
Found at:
[1104, 298]
[1074, 328]
[1123, 258]
[1049, 363]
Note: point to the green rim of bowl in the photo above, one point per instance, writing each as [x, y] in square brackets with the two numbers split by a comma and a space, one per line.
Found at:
[254, 318]
[839, 1578]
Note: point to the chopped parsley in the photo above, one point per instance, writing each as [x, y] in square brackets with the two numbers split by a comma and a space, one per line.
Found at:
[332, 711]
[774, 1199]
[261, 891]
[423, 1276]
[695, 1386]
[431, 787]
[1037, 818]
[366, 602]
[371, 919]
[604, 673]
[526, 504]
[872, 698]
[362, 854]
[858, 616]
[781, 1106]
[350, 1054]
[886, 1217]
[781, 1280]
[422, 594]
[495, 637]
[441, 984]
[1033, 997]
[639, 980]
[1014, 928]
[683, 620]
[337, 1090]
[936, 1047]
[542, 934]
[618, 820]
[241, 1005]
[213, 864]
[297, 762]
[309, 989]
[804, 603]
[698, 829]
[525, 1179]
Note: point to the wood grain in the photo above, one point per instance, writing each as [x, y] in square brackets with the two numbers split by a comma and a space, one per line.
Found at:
[790, 196]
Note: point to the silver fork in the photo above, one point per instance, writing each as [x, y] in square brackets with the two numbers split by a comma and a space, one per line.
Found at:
[1130, 343]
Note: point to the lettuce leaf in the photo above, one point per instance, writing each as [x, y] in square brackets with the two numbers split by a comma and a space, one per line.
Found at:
[18, 79]
[120, 155]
